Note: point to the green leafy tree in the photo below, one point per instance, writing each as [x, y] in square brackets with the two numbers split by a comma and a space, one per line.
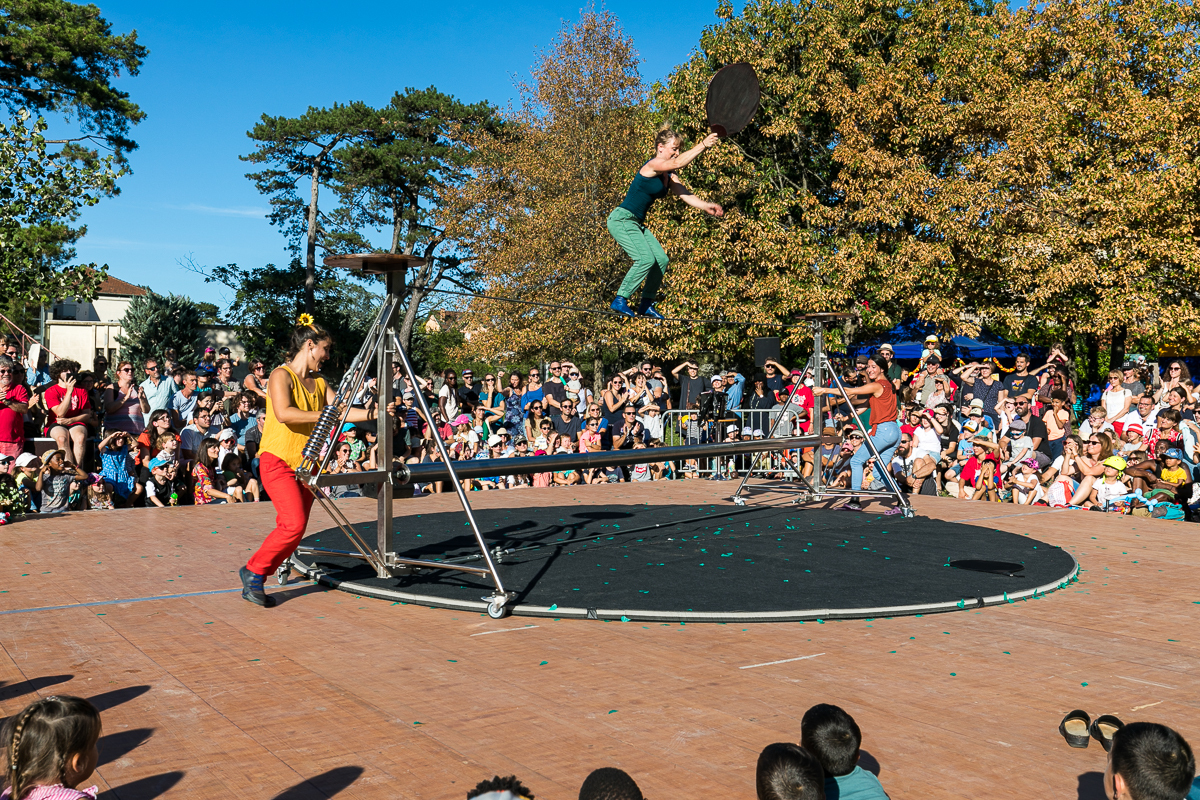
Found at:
[61, 57]
[268, 300]
[153, 323]
[296, 150]
[393, 176]
[41, 194]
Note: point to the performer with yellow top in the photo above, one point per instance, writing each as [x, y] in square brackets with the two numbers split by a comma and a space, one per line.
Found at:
[295, 396]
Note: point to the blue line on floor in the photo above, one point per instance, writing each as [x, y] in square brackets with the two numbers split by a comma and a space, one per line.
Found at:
[117, 602]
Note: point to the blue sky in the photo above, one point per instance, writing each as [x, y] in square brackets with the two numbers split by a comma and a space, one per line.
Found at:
[215, 67]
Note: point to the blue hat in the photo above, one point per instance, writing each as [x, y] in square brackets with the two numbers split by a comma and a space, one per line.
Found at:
[157, 462]
[347, 426]
[1174, 452]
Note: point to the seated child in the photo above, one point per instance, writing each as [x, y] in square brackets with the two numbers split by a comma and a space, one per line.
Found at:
[28, 466]
[1132, 448]
[237, 480]
[100, 494]
[1109, 486]
[160, 487]
[788, 772]
[1026, 484]
[832, 736]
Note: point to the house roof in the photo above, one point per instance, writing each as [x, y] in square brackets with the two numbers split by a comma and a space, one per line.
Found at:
[117, 286]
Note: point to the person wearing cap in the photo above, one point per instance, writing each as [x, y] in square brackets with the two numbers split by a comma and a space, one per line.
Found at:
[13, 499]
[885, 427]
[1026, 485]
[227, 439]
[1020, 446]
[711, 406]
[159, 486]
[1108, 486]
[929, 348]
[931, 384]
[208, 362]
[895, 372]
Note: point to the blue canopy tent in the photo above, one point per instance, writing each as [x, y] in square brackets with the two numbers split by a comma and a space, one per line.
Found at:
[908, 342]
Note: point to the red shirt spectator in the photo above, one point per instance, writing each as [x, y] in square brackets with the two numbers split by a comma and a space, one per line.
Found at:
[14, 398]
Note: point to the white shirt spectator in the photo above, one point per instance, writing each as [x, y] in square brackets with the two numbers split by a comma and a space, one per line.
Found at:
[1135, 416]
[451, 400]
[653, 425]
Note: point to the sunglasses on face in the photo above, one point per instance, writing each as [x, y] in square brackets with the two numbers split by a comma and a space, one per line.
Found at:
[125, 369]
[544, 427]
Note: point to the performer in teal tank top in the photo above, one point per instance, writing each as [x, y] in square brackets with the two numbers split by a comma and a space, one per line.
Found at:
[627, 222]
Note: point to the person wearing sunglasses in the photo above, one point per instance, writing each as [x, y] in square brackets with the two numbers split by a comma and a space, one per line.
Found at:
[491, 400]
[534, 392]
[156, 391]
[122, 405]
[14, 402]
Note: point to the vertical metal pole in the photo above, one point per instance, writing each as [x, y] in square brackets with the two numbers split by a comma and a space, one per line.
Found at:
[441, 446]
[818, 421]
[383, 434]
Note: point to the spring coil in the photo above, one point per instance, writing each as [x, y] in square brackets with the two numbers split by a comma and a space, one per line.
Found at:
[320, 433]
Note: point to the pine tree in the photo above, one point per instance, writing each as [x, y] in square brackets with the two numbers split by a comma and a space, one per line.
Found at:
[153, 323]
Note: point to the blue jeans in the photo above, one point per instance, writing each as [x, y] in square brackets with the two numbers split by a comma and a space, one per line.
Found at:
[887, 436]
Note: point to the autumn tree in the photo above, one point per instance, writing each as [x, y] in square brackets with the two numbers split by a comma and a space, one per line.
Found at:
[533, 213]
[1101, 224]
[952, 161]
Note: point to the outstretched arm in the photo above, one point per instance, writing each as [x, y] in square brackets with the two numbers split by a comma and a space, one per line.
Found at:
[685, 194]
[680, 161]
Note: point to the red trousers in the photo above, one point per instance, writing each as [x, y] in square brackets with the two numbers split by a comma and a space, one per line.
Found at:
[292, 501]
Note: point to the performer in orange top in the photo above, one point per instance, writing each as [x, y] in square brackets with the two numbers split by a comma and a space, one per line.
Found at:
[295, 396]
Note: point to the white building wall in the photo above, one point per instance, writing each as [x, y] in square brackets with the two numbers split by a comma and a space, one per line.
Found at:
[83, 341]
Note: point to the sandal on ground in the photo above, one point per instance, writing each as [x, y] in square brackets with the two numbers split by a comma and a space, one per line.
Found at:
[1074, 728]
[1102, 729]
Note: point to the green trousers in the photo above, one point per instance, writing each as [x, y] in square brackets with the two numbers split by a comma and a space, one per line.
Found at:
[649, 260]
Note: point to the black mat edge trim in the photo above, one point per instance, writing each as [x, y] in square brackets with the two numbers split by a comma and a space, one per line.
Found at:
[650, 615]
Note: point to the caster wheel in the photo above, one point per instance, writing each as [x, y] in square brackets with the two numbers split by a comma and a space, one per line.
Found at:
[283, 573]
[738, 501]
[497, 609]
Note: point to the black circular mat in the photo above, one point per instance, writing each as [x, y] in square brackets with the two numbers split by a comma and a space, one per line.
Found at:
[706, 563]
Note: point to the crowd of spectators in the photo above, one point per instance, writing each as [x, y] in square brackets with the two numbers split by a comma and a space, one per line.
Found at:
[157, 433]
[160, 433]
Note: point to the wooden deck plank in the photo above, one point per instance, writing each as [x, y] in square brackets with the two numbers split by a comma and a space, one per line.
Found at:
[328, 693]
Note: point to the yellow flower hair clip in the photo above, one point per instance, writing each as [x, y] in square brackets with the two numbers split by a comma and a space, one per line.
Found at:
[306, 320]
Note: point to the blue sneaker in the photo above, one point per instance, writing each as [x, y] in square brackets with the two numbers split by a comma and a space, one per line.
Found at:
[252, 588]
[621, 306]
[646, 309]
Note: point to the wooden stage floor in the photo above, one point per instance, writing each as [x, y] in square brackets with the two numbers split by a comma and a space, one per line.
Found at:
[205, 695]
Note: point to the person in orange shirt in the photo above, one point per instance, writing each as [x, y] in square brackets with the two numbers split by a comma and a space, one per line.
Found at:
[295, 396]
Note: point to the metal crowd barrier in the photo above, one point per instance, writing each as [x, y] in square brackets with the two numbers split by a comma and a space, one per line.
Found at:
[682, 427]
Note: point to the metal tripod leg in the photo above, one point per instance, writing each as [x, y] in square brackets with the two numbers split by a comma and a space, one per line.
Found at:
[500, 598]
[889, 479]
[737, 495]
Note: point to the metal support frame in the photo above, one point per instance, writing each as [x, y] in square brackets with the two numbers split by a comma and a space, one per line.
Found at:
[382, 344]
[812, 488]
